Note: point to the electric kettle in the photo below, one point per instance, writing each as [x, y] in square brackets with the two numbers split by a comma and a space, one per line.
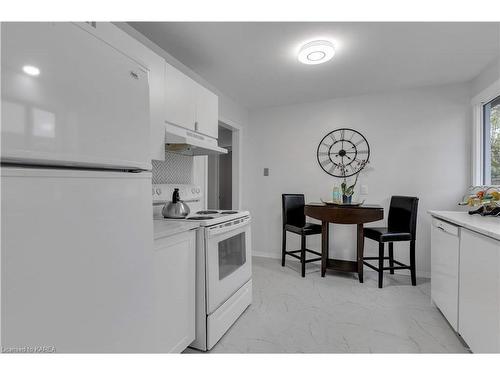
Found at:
[176, 209]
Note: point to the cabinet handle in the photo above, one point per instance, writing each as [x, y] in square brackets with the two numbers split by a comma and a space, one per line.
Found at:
[196, 125]
[134, 75]
[441, 228]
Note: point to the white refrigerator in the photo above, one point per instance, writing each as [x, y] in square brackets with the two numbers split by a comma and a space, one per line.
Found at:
[77, 242]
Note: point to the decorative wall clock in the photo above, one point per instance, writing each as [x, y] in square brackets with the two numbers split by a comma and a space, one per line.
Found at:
[343, 152]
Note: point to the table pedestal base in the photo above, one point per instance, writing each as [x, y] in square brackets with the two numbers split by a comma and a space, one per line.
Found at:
[340, 264]
[343, 215]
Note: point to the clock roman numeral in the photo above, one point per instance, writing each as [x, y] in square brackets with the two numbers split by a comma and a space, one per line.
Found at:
[325, 162]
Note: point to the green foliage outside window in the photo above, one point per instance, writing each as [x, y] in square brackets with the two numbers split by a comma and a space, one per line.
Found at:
[495, 144]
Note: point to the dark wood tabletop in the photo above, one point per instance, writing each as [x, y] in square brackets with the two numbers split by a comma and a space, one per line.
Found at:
[358, 215]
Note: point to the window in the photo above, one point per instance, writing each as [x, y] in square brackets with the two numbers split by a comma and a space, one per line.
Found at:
[491, 142]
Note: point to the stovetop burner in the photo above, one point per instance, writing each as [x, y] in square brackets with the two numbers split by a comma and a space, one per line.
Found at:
[200, 218]
[207, 212]
[228, 212]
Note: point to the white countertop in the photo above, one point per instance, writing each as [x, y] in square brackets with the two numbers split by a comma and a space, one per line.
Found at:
[489, 226]
[165, 228]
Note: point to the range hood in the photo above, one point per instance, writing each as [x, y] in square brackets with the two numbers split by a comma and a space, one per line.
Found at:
[188, 142]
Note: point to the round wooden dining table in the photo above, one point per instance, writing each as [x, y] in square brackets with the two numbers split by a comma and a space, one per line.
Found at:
[337, 214]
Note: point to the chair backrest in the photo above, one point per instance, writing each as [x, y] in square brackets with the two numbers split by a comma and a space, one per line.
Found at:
[293, 209]
[403, 215]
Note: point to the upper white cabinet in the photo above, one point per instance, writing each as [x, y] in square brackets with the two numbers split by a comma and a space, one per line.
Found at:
[173, 96]
[190, 105]
[153, 63]
[180, 99]
[207, 112]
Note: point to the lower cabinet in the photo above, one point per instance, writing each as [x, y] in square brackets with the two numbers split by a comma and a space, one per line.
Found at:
[444, 269]
[479, 292]
[175, 295]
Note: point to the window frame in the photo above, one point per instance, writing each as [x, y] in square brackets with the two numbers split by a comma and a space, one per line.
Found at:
[478, 134]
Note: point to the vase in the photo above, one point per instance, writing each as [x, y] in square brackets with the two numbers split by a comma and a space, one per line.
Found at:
[346, 199]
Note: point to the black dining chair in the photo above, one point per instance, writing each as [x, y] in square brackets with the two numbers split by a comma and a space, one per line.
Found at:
[401, 226]
[294, 221]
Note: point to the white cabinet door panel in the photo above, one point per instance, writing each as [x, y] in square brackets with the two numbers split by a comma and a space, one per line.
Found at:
[207, 112]
[444, 269]
[175, 294]
[88, 106]
[479, 295]
[180, 100]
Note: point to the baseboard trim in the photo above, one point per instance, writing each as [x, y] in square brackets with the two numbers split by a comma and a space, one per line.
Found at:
[262, 254]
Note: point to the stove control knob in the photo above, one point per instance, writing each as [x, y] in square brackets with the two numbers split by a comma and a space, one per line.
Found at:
[198, 190]
[158, 191]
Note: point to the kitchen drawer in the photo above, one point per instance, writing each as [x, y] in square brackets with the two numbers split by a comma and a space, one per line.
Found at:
[445, 226]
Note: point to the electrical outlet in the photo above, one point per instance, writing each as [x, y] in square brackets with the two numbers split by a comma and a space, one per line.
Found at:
[266, 172]
[364, 190]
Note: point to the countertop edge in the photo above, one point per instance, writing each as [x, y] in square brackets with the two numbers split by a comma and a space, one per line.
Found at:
[162, 229]
[450, 216]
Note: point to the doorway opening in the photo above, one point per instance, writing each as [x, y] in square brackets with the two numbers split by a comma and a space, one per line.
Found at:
[221, 168]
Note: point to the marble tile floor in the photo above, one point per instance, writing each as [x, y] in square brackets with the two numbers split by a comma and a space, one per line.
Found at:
[336, 314]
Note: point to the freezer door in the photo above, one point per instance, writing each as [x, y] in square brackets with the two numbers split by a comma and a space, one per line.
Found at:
[77, 261]
[88, 106]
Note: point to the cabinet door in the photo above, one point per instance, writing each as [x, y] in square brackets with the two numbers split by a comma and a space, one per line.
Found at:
[444, 269]
[207, 112]
[87, 106]
[175, 294]
[155, 65]
[479, 295]
[180, 98]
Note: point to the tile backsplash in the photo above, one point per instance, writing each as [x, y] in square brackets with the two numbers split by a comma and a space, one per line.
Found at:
[176, 169]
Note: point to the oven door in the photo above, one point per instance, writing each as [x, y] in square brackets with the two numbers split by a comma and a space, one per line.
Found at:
[228, 262]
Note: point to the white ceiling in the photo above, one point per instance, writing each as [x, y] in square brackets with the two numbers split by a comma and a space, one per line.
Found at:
[255, 63]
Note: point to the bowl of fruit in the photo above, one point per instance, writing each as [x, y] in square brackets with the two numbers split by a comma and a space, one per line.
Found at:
[484, 199]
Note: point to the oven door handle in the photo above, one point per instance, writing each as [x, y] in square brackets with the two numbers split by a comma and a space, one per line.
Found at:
[218, 229]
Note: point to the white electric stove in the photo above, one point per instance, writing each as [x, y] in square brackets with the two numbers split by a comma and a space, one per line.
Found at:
[223, 261]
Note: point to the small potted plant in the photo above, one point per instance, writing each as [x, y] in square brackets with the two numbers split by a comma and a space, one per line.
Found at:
[348, 191]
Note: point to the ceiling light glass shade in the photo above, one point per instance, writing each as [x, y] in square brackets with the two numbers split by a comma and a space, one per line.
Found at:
[31, 70]
[316, 52]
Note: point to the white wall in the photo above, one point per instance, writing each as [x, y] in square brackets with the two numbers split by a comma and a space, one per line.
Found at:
[419, 147]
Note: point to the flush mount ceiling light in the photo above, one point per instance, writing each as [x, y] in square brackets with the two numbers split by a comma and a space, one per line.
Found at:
[31, 70]
[316, 52]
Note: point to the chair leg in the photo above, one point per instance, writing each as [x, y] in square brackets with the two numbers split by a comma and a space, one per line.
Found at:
[391, 257]
[380, 264]
[303, 254]
[412, 263]
[283, 250]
